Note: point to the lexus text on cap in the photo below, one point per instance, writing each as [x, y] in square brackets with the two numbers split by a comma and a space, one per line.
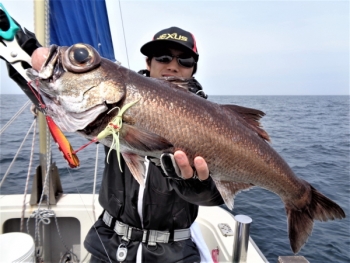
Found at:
[174, 37]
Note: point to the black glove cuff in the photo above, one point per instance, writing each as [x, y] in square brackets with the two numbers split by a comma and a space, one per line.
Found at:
[169, 166]
[27, 41]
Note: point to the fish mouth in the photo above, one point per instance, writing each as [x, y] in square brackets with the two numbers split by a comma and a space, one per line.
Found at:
[43, 80]
[52, 69]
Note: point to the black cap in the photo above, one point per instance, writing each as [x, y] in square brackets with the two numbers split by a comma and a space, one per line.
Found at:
[172, 37]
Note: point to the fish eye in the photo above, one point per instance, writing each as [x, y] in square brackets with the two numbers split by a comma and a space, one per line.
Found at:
[81, 58]
[81, 55]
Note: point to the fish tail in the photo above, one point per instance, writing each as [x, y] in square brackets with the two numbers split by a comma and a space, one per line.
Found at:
[301, 221]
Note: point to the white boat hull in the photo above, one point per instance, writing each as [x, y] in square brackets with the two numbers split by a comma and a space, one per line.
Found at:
[76, 213]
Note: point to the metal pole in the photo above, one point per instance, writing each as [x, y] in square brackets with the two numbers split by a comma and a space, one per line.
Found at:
[241, 238]
[39, 26]
[40, 32]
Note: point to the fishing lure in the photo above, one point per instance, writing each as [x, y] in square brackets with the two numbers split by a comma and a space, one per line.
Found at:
[62, 143]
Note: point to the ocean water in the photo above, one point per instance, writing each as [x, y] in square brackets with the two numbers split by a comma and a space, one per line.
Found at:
[312, 133]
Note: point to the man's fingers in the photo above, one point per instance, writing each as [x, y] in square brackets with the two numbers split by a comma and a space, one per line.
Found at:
[39, 56]
[183, 164]
[186, 169]
[201, 168]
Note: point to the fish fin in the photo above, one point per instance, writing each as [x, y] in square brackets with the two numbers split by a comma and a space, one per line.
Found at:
[143, 140]
[300, 221]
[228, 190]
[251, 117]
[136, 167]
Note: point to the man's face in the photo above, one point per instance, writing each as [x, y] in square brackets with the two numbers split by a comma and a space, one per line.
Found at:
[158, 69]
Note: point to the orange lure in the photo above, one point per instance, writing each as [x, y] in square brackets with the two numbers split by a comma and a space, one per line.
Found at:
[63, 143]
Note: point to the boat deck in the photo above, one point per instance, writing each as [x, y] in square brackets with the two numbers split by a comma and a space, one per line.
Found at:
[76, 213]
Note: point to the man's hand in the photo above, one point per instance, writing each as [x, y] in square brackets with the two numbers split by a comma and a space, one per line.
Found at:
[183, 168]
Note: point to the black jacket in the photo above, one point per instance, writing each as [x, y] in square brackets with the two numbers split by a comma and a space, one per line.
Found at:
[168, 204]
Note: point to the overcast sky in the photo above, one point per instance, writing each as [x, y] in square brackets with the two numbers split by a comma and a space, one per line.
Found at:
[245, 47]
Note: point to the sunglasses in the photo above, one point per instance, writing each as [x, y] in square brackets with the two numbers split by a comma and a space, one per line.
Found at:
[188, 62]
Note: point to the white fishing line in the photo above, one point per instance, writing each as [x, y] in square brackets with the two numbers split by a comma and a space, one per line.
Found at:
[95, 179]
[28, 177]
[14, 117]
[15, 157]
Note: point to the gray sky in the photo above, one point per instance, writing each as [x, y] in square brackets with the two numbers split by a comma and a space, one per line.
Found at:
[245, 47]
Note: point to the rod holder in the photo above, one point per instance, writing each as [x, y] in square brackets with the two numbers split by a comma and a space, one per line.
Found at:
[241, 238]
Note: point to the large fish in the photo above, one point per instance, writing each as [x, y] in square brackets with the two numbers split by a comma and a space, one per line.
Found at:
[84, 92]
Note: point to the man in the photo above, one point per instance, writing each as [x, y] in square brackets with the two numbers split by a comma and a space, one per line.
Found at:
[166, 205]
[152, 223]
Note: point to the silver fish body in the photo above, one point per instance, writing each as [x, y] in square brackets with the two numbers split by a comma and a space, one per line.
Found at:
[165, 118]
